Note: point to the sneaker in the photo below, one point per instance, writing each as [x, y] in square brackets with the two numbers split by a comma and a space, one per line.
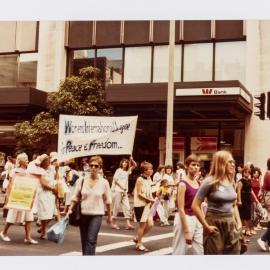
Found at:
[262, 244]
[31, 241]
[4, 238]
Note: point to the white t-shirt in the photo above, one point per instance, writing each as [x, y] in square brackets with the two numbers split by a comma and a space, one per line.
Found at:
[121, 177]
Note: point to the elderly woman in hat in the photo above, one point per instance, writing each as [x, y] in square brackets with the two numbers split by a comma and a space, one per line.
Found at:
[15, 215]
[46, 195]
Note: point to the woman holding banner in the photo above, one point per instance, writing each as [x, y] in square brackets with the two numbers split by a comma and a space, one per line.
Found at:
[120, 191]
[19, 215]
[93, 193]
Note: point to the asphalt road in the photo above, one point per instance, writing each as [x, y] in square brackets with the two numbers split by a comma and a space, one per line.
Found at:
[110, 242]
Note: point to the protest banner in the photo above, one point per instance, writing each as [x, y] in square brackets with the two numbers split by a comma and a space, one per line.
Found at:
[81, 136]
[23, 192]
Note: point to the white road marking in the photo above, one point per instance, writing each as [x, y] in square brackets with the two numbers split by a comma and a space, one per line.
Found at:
[72, 253]
[122, 244]
[163, 251]
[116, 235]
[131, 243]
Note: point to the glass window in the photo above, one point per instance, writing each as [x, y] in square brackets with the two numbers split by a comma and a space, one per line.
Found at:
[137, 65]
[81, 59]
[27, 75]
[80, 54]
[113, 64]
[8, 70]
[198, 60]
[161, 61]
[7, 34]
[230, 61]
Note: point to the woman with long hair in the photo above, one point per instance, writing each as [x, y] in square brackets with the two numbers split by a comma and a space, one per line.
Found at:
[93, 193]
[142, 202]
[120, 192]
[222, 224]
[188, 230]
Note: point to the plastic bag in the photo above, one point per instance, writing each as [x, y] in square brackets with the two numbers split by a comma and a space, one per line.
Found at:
[56, 233]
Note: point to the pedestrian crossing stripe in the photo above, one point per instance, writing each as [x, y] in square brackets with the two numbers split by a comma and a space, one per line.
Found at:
[104, 248]
[163, 251]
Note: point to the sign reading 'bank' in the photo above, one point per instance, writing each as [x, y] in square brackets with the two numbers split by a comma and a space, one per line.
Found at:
[81, 136]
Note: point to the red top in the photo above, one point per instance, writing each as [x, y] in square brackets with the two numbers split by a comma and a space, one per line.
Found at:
[256, 186]
[266, 181]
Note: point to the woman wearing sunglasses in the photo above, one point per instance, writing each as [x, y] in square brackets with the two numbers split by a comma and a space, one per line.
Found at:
[94, 194]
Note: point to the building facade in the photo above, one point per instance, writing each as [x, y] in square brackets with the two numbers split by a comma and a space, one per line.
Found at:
[218, 68]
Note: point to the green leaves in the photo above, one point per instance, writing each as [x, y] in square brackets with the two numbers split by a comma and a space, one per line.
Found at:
[77, 95]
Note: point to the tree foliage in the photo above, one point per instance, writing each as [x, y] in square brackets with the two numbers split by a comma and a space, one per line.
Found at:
[77, 95]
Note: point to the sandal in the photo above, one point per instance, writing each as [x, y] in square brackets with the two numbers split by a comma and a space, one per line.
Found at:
[142, 248]
[115, 227]
[248, 233]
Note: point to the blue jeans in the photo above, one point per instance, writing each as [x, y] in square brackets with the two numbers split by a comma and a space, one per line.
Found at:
[266, 235]
[89, 228]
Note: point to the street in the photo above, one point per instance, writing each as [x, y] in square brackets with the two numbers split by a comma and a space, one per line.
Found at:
[110, 242]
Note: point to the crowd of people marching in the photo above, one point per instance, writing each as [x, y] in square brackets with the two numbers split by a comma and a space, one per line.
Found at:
[214, 213]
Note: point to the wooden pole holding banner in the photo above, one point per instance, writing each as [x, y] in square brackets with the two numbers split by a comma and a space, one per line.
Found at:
[170, 97]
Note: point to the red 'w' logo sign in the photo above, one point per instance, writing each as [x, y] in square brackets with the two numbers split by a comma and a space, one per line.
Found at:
[207, 91]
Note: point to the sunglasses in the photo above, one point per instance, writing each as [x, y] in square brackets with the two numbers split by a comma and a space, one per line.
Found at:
[94, 166]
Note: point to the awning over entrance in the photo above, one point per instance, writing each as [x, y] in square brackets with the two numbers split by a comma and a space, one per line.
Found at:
[194, 101]
[21, 103]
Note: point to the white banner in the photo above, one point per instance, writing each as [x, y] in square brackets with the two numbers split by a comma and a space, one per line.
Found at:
[81, 136]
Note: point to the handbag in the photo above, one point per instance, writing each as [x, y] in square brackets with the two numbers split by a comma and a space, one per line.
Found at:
[75, 216]
[56, 233]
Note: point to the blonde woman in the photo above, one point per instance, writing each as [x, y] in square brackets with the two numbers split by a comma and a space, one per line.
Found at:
[222, 224]
[15, 215]
[188, 230]
[142, 203]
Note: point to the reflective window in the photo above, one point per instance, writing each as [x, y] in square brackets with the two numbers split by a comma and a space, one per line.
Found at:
[198, 60]
[27, 75]
[230, 61]
[8, 70]
[113, 64]
[81, 54]
[137, 65]
[161, 63]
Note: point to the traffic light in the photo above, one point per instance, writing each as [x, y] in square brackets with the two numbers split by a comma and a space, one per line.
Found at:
[268, 105]
[261, 106]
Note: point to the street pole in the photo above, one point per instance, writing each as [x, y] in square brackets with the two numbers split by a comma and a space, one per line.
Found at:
[170, 97]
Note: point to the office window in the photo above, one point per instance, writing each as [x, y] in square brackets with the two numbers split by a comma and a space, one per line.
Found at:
[27, 74]
[198, 60]
[8, 70]
[113, 64]
[230, 61]
[161, 63]
[137, 65]
[81, 59]
[80, 54]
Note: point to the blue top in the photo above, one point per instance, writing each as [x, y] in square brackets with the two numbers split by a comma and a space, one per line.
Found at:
[220, 200]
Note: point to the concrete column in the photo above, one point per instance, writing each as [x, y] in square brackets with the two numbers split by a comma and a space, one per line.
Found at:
[257, 133]
[51, 55]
